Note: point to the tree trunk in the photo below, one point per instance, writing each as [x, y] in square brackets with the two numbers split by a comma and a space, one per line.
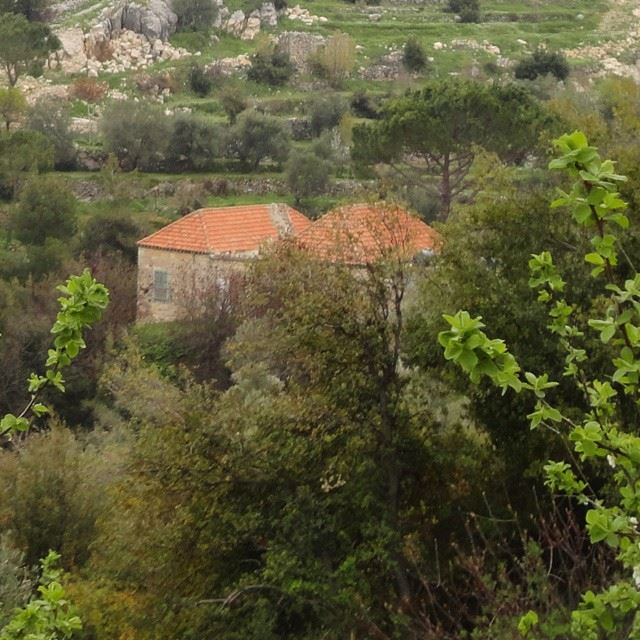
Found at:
[445, 188]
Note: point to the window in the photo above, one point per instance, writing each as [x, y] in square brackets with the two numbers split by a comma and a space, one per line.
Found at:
[161, 291]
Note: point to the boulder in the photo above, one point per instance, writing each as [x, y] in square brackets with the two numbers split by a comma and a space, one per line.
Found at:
[251, 27]
[235, 23]
[268, 15]
[154, 19]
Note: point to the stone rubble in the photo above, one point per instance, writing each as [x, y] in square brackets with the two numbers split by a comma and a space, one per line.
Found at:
[304, 15]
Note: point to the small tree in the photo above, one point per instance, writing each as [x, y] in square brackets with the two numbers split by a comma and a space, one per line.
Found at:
[52, 118]
[542, 62]
[256, 137]
[194, 145]
[24, 45]
[234, 102]
[327, 111]
[413, 56]
[307, 175]
[336, 59]
[194, 15]
[46, 209]
[12, 106]
[20, 153]
[198, 80]
[137, 134]
[270, 67]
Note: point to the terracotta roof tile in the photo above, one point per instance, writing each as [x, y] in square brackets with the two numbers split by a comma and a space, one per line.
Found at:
[228, 229]
[364, 233]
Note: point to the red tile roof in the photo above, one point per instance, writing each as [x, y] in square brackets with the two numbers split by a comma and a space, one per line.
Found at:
[364, 233]
[228, 229]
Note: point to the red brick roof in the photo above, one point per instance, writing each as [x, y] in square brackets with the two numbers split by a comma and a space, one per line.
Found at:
[228, 229]
[364, 233]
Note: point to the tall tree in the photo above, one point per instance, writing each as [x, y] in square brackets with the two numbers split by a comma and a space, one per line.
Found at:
[435, 132]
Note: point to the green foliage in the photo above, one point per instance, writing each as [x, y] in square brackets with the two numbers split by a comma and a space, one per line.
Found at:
[256, 137]
[137, 134]
[111, 232]
[50, 615]
[270, 67]
[468, 10]
[336, 59]
[307, 174]
[542, 62]
[52, 118]
[24, 45]
[12, 105]
[435, 132]
[15, 580]
[30, 9]
[326, 112]
[195, 144]
[53, 490]
[81, 306]
[413, 56]
[599, 434]
[20, 153]
[194, 15]
[198, 81]
[46, 210]
[234, 101]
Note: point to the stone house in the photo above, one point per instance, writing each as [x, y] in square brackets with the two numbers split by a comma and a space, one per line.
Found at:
[360, 234]
[183, 260]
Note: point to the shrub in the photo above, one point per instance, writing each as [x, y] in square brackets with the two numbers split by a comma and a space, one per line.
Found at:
[194, 15]
[198, 80]
[256, 137]
[21, 152]
[46, 209]
[111, 232]
[336, 59]
[468, 10]
[52, 118]
[137, 134]
[12, 105]
[542, 62]
[194, 145]
[234, 102]
[272, 67]
[53, 488]
[88, 89]
[413, 56]
[326, 112]
[307, 174]
[364, 106]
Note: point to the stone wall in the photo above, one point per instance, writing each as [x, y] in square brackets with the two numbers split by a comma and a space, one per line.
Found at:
[190, 276]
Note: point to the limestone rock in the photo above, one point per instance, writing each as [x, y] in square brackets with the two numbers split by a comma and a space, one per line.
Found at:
[299, 46]
[235, 23]
[268, 15]
[251, 27]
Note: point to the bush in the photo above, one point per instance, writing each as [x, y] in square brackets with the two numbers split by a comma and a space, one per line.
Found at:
[256, 137]
[542, 62]
[46, 209]
[307, 175]
[468, 10]
[272, 67]
[12, 105]
[194, 15]
[326, 112]
[194, 145]
[364, 106]
[335, 61]
[413, 56]
[52, 118]
[111, 232]
[234, 102]
[52, 490]
[199, 82]
[22, 152]
[88, 89]
[137, 134]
